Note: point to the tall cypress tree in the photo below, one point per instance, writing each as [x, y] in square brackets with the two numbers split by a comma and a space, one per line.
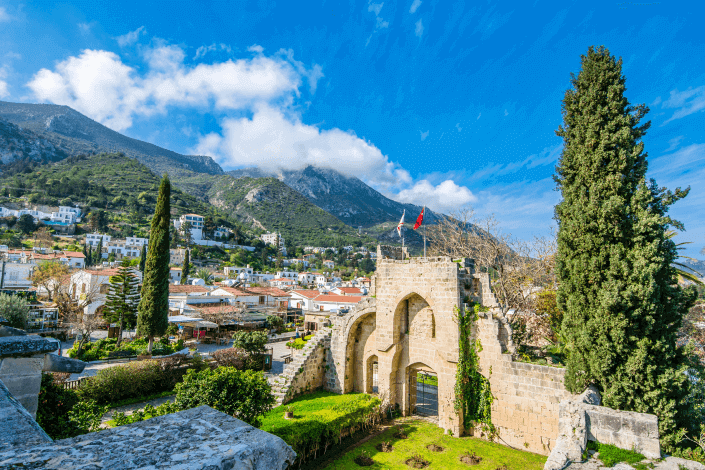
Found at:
[617, 289]
[186, 270]
[122, 299]
[143, 258]
[152, 319]
[98, 255]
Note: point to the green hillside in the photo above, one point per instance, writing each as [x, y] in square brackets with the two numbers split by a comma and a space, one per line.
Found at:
[107, 181]
[269, 204]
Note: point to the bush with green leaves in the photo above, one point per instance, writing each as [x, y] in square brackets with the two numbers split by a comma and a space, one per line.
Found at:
[134, 380]
[252, 342]
[62, 413]
[102, 348]
[245, 395]
[15, 309]
[120, 419]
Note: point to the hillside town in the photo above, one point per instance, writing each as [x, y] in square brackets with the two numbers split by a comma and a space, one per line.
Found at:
[428, 235]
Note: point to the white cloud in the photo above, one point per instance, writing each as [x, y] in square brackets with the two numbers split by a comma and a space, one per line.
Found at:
[256, 48]
[415, 6]
[506, 113]
[203, 50]
[85, 28]
[444, 197]
[97, 83]
[686, 102]
[457, 126]
[376, 8]
[674, 143]
[546, 157]
[4, 15]
[130, 38]
[478, 116]
[424, 135]
[419, 28]
[4, 91]
[274, 141]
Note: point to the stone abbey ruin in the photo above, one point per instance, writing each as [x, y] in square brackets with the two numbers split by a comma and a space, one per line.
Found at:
[401, 343]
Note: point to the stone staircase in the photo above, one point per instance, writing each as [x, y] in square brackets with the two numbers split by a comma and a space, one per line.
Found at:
[306, 365]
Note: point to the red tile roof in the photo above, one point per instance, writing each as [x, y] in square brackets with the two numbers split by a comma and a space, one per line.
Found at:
[350, 290]
[311, 294]
[101, 272]
[273, 291]
[234, 291]
[340, 299]
[186, 289]
[282, 279]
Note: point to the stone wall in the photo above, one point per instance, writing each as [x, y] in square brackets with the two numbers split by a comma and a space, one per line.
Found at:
[527, 396]
[624, 429]
[199, 438]
[306, 372]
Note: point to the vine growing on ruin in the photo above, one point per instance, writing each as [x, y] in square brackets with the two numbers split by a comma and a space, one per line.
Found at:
[473, 396]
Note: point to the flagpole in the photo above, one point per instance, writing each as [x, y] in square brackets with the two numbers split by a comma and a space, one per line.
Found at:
[424, 234]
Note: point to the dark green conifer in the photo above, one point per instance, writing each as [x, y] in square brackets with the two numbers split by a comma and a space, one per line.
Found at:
[153, 309]
[186, 269]
[122, 299]
[143, 258]
[617, 288]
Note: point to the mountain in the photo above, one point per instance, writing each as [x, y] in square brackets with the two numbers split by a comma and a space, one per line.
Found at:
[75, 133]
[345, 197]
[109, 181]
[22, 148]
[269, 204]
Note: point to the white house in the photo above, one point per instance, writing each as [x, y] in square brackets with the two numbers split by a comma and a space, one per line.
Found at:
[354, 291]
[93, 239]
[329, 264]
[330, 302]
[271, 239]
[295, 261]
[320, 280]
[175, 275]
[307, 278]
[72, 259]
[196, 221]
[121, 249]
[137, 241]
[292, 275]
[282, 283]
[259, 277]
[234, 271]
[93, 284]
[18, 274]
[222, 232]
[66, 215]
[176, 255]
[302, 299]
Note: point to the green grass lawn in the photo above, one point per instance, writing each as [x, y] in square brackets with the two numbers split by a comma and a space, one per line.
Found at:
[421, 434]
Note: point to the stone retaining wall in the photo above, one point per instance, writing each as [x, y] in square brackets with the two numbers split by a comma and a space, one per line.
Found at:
[527, 396]
[306, 372]
[624, 429]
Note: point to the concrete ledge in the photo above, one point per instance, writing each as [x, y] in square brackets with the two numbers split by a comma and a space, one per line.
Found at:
[17, 427]
[199, 438]
[26, 345]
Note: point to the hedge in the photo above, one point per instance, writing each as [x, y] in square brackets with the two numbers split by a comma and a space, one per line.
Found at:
[136, 379]
[101, 349]
[321, 419]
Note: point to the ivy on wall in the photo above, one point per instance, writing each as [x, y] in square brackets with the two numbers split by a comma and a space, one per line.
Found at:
[473, 397]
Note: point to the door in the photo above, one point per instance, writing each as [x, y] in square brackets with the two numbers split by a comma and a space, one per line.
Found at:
[426, 394]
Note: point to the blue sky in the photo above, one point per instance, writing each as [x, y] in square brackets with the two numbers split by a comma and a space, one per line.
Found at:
[444, 103]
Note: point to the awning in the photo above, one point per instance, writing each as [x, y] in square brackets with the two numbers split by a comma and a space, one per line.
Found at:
[183, 319]
[204, 324]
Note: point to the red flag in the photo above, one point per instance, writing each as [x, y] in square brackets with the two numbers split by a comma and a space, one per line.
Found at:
[419, 219]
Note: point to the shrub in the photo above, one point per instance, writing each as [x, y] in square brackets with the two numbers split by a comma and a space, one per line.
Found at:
[102, 348]
[243, 394]
[134, 380]
[120, 419]
[252, 342]
[55, 402]
[15, 309]
[62, 414]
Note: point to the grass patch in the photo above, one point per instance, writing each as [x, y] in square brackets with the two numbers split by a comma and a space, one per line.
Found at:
[421, 434]
[319, 419]
[611, 455]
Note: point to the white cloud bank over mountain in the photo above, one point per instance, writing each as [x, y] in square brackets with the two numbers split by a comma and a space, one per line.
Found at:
[257, 97]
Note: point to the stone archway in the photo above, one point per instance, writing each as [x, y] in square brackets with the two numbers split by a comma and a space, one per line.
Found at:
[361, 344]
[422, 390]
[371, 374]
